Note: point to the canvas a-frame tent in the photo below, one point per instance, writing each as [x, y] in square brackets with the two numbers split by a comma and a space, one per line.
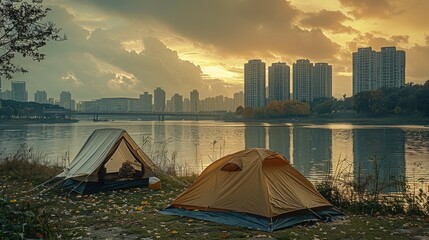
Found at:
[95, 168]
[253, 188]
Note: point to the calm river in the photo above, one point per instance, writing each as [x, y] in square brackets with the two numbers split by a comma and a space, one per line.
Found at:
[313, 149]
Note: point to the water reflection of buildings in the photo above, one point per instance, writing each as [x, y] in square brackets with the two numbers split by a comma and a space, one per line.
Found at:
[311, 147]
[255, 137]
[279, 140]
[379, 153]
[312, 150]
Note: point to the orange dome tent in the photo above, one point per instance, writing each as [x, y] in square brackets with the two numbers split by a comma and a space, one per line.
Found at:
[255, 188]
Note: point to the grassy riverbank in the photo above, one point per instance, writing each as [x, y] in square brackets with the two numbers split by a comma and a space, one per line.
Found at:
[133, 214]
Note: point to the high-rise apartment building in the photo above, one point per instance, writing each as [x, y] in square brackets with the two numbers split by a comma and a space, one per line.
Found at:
[302, 76]
[219, 103]
[321, 81]
[177, 103]
[392, 67]
[209, 104]
[41, 97]
[186, 105]
[195, 101]
[278, 82]
[168, 107]
[238, 99]
[373, 70]
[254, 84]
[73, 105]
[146, 102]
[365, 70]
[19, 91]
[311, 81]
[65, 100]
[159, 100]
[228, 104]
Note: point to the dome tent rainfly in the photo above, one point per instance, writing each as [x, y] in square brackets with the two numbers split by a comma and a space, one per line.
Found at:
[254, 188]
[97, 166]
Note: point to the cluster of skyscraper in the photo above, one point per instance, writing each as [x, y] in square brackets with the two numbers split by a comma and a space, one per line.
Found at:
[371, 70]
[374, 70]
[19, 93]
[158, 103]
[146, 101]
[310, 81]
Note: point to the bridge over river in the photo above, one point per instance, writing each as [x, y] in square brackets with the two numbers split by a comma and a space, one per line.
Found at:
[161, 116]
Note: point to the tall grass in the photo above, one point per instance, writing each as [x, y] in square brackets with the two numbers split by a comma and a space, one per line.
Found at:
[23, 218]
[217, 147]
[166, 163]
[27, 164]
[370, 192]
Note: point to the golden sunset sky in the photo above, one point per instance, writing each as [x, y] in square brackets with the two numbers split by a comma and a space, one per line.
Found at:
[122, 48]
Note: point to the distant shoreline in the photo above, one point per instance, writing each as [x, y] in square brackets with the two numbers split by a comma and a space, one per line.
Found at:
[28, 121]
[345, 118]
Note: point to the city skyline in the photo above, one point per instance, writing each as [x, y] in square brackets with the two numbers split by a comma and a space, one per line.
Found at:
[158, 100]
[388, 75]
[132, 48]
[145, 102]
[371, 70]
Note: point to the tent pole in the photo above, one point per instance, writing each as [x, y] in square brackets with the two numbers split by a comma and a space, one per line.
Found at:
[317, 215]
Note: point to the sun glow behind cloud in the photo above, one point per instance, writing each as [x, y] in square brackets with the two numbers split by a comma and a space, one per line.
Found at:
[220, 72]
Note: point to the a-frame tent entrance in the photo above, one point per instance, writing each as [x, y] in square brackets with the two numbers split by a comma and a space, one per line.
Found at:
[99, 164]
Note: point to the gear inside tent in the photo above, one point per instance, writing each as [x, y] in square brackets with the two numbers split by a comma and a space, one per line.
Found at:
[110, 159]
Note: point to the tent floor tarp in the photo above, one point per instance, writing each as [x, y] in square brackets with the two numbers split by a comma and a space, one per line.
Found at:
[95, 187]
[257, 222]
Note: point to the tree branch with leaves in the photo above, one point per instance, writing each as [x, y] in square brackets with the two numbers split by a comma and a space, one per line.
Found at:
[23, 31]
